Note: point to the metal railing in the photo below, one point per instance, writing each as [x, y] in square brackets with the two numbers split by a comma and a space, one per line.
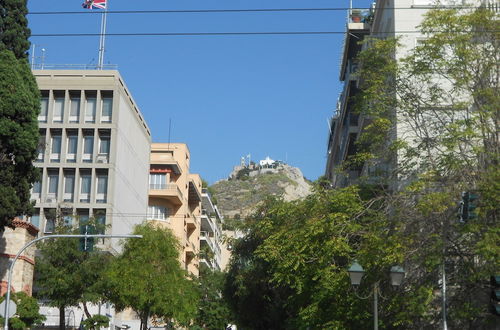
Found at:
[43, 66]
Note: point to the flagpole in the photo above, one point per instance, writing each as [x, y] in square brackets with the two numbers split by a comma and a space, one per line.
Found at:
[102, 38]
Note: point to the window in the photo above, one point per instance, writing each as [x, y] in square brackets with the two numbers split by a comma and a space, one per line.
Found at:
[107, 107]
[90, 108]
[36, 191]
[74, 109]
[157, 212]
[67, 217]
[58, 107]
[55, 153]
[100, 217]
[50, 220]
[44, 107]
[88, 148]
[41, 147]
[157, 181]
[72, 147]
[83, 216]
[50, 224]
[104, 145]
[69, 186]
[102, 188]
[53, 182]
[85, 183]
[35, 218]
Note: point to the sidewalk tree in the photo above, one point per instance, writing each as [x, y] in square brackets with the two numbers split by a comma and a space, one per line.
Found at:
[67, 276]
[147, 277]
[213, 312]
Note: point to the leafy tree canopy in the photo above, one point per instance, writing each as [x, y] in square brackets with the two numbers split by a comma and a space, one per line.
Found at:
[66, 275]
[213, 312]
[148, 278]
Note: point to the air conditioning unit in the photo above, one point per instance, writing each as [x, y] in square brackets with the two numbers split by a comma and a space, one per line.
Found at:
[50, 200]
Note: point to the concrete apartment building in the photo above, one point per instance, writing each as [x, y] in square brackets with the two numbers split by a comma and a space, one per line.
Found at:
[211, 244]
[94, 158]
[388, 18]
[175, 199]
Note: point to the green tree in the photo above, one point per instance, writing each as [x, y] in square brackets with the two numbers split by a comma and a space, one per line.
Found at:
[19, 107]
[442, 100]
[292, 264]
[213, 312]
[28, 312]
[148, 278]
[67, 276]
[14, 31]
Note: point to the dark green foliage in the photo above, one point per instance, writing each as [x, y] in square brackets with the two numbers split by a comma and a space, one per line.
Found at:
[96, 322]
[19, 107]
[243, 174]
[254, 301]
[27, 313]
[148, 278]
[14, 31]
[213, 312]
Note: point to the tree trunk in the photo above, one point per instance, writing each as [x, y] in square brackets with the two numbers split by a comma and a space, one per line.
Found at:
[62, 318]
[144, 321]
[86, 310]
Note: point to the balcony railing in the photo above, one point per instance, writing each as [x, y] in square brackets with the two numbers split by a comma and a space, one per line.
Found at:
[205, 235]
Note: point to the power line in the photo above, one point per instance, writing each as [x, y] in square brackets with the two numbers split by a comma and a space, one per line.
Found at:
[152, 34]
[180, 11]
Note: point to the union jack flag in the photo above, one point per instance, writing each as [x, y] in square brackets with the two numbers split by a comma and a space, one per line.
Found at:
[91, 4]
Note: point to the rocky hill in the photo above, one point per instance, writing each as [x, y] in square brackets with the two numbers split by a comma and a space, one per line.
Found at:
[247, 187]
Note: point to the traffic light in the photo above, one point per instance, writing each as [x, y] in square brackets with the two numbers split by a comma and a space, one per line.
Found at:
[495, 295]
[87, 243]
[468, 206]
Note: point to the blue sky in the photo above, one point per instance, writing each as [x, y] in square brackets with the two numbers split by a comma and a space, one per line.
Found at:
[226, 96]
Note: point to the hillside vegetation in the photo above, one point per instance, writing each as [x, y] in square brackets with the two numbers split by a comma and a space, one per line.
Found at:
[240, 196]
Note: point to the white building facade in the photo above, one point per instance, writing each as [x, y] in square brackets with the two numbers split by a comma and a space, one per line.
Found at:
[94, 160]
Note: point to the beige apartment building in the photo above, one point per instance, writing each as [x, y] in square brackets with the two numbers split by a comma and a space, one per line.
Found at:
[175, 199]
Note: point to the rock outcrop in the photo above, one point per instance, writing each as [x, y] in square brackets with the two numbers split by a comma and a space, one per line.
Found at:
[241, 194]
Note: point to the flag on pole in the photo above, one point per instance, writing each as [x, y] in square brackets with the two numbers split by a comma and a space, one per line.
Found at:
[91, 4]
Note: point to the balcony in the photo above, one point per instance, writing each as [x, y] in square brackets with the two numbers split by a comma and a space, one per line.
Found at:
[207, 263]
[194, 193]
[207, 224]
[205, 238]
[169, 192]
[191, 223]
[166, 159]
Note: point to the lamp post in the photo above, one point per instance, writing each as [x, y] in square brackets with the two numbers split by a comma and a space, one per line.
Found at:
[356, 273]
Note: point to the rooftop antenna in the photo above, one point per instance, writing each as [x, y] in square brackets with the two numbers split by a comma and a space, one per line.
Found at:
[169, 129]
[43, 57]
[102, 38]
[349, 13]
[33, 57]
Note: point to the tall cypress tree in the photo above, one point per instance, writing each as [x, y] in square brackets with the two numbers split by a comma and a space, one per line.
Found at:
[19, 107]
[14, 31]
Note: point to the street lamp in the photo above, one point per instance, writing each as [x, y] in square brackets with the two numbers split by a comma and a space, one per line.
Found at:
[356, 273]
